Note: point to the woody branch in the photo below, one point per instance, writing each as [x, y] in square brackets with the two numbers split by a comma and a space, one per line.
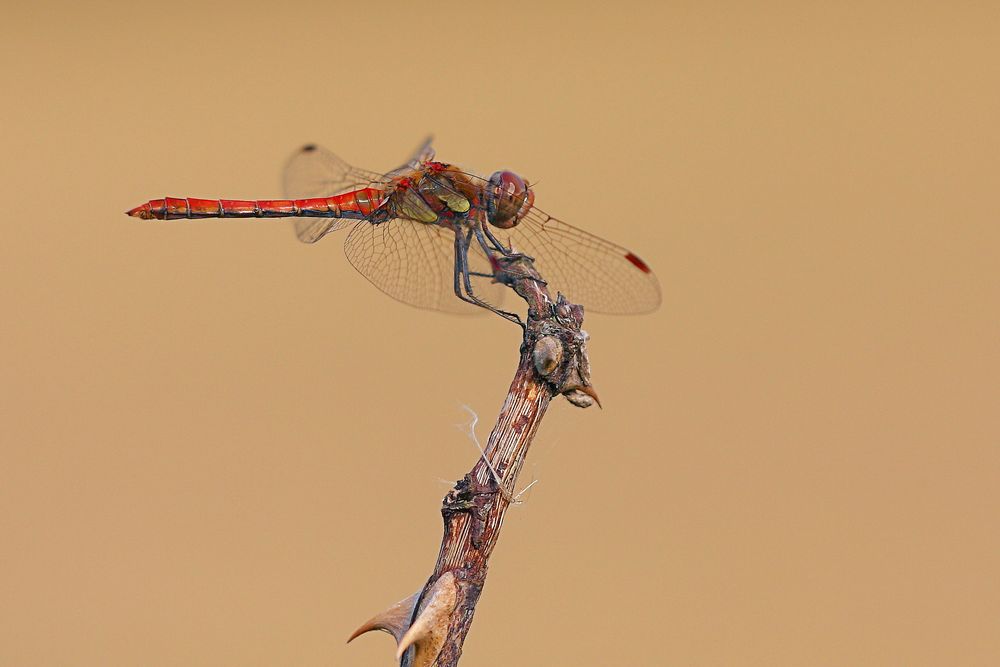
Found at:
[430, 626]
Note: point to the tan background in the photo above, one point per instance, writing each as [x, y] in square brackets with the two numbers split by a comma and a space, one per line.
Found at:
[223, 447]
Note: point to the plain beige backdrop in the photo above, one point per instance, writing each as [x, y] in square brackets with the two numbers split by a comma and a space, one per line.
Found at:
[219, 446]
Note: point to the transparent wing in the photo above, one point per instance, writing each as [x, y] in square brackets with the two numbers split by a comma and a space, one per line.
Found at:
[414, 263]
[316, 172]
[424, 153]
[600, 275]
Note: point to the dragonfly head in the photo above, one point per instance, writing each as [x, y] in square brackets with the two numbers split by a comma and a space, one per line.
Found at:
[508, 199]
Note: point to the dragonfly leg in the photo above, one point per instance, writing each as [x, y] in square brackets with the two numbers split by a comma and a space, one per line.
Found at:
[480, 230]
[493, 240]
[462, 280]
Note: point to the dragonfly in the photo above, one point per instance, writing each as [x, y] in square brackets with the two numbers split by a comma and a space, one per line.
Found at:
[428, 232]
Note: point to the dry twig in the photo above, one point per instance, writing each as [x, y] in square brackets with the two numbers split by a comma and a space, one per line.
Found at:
[430, 626]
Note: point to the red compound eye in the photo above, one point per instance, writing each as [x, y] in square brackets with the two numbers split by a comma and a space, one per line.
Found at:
[505, 199]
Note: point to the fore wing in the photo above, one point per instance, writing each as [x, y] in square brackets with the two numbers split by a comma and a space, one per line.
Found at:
[602, 276]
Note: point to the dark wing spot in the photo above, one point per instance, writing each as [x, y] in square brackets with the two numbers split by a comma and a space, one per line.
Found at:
[641, 265]
[309, 148]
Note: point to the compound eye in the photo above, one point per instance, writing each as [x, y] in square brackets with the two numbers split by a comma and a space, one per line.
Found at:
[506, 196]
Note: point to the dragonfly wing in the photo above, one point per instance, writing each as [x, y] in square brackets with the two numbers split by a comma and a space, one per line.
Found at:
[600, 275]
[316, 172]
[424, 153]
[414, 262]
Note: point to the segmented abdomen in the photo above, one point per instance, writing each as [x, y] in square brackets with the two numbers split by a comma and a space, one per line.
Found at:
[356, 204]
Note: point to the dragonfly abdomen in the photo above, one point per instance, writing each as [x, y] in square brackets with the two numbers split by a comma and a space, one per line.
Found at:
[357, 204]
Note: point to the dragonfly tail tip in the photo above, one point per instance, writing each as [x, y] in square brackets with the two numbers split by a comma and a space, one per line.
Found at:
[140, 212]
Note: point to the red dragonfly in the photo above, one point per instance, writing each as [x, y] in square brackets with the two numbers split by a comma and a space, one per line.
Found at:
[427, 232]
